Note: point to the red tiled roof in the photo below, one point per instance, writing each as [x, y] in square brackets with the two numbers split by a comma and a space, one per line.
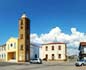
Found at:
[54, 43]
[83, 43]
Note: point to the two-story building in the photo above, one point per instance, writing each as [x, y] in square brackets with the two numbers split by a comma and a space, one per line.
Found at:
[3, 53]
[53, 51]
[82, 49]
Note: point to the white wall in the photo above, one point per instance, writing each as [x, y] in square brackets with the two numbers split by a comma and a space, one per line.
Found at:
[2, 54]
[34, 51]
[43, 52]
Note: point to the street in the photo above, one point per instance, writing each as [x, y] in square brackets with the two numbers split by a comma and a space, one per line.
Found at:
[45, 66]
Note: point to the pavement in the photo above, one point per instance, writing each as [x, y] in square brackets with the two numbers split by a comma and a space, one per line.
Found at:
[52, 65]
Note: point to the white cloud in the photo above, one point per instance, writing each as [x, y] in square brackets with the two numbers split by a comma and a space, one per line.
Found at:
[35, 38]
[56, 35]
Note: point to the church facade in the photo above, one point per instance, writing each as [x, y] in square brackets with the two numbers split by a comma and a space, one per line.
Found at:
[18, 50]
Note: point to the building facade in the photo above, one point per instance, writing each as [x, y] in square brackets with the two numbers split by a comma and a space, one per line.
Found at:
[53, 51]
[3, 53]
[18, 50]
[82, 49]
[12, 50]
[34, 51]
[24, 39]
[9, 51]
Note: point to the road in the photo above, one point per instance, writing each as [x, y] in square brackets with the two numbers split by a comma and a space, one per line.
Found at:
[44, 66]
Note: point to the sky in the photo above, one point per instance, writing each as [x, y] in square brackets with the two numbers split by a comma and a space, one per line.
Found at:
[65, 18]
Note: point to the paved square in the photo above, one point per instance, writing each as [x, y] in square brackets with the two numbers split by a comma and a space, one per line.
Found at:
[44, 66]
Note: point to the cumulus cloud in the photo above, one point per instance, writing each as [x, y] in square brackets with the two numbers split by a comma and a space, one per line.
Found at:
[56, 35]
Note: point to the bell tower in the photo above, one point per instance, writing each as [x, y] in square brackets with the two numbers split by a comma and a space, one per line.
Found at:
[24, 39]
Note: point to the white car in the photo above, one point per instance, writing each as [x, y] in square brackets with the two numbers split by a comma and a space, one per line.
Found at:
[80, 63]
[36, 61]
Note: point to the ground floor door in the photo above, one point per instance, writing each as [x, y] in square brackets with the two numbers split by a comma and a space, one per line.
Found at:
[53, 57]
[11, 56]
[46, 57]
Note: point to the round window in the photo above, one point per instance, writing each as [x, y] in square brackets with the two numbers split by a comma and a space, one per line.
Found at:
[11, 45]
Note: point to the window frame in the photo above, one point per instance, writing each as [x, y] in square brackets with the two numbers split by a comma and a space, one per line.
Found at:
[21, 47]
[46, 48]
[59, 56]
[21, 36]
[59, 47]
[52, 47]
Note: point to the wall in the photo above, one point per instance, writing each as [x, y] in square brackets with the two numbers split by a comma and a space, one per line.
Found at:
[55, 51]
[34, 50]
[12, 47]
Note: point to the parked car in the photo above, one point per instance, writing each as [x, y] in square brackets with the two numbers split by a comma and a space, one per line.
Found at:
[36, 61]
[80, 63]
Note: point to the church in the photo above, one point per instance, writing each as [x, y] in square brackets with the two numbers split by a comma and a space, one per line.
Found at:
[18, 49]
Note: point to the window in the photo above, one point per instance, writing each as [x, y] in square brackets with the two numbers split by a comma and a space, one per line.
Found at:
[14, 45]
[46, 57]
[21, 27]
[21, 47]
[59, 56]
[35, 55]
[59, 47]
[52, 56]
[21, 22]
[11, 44]
[46, 48]
[1, 48]
[21, 36]
[4, 48]
[2, 56]
[52, 47]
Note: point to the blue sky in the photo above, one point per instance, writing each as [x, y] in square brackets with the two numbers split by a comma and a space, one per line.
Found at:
[44, 15]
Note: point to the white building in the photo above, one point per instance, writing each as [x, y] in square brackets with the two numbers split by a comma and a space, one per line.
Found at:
[53, 51]
[34, 51]
[3, 53]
